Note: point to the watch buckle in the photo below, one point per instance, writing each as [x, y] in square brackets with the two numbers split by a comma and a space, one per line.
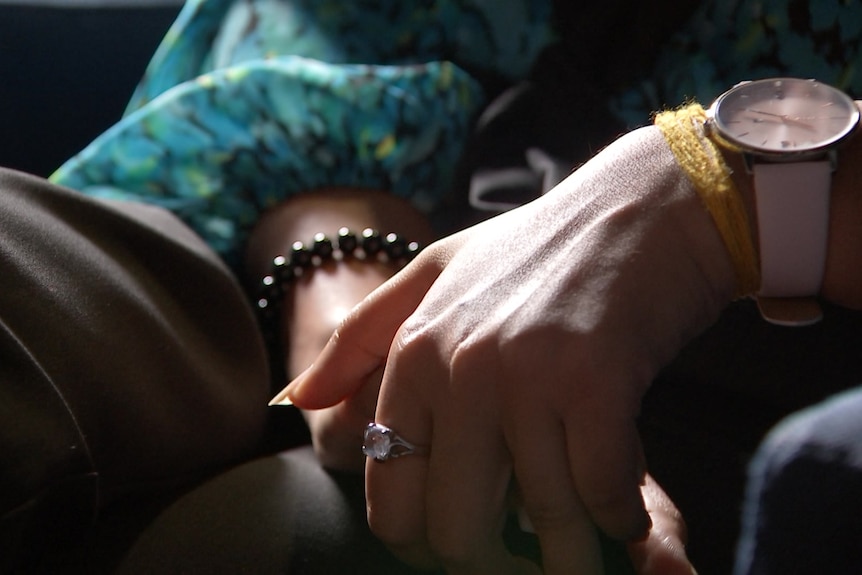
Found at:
[790, 311]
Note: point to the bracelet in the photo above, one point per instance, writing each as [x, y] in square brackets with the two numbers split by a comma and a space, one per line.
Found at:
[370, 245]
[701, 160]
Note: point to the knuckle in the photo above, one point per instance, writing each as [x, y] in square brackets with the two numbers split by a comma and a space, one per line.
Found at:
[434, 257]
[413, 340]
[472, 349]
[345, 325]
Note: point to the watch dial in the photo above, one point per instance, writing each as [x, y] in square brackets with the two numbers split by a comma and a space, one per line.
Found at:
[784, 115]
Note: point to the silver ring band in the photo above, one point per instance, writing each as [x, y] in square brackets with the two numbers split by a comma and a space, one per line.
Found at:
[382, 443]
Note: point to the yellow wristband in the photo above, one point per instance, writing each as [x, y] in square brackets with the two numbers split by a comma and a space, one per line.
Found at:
[704, 165]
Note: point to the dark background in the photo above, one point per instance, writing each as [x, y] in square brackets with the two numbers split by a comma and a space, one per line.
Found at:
[67, 70]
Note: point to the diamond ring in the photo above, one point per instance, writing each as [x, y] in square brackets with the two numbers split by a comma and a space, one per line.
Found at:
[381, 443]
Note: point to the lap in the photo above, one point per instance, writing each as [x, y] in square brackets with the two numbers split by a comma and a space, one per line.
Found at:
[130, 358]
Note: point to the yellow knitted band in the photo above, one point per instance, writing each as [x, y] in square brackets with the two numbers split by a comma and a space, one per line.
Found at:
[703, 163]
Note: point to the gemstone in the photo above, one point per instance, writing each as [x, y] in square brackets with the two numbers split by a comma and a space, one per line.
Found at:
[378, 442]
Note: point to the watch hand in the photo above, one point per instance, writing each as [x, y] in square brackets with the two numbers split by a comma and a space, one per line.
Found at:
[798, 121]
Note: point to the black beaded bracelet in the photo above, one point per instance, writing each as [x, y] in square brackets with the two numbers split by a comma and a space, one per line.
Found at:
[370, 245]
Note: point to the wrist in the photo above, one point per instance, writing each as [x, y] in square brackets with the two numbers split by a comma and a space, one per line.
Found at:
[707, 247]
[842, 281]
[637, 180]
[327, 210]
[702, 160]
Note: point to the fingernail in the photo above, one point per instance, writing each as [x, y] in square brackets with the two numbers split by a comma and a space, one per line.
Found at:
[283, 396]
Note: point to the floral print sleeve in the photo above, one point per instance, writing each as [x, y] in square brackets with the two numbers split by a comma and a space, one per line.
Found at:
[249, 101]
[735, 40]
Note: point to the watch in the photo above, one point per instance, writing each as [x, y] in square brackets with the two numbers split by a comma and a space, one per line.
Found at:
[788, 130]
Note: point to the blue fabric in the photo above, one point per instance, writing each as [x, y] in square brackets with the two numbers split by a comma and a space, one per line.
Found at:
[802, 511]
[247, 102]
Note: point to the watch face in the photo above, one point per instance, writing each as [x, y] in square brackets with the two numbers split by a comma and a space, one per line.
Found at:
[785, 116]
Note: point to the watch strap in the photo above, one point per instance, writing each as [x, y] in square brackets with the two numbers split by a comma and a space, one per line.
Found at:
[793, 225]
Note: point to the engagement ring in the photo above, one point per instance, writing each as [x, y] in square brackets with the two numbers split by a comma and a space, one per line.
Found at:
[381, 443]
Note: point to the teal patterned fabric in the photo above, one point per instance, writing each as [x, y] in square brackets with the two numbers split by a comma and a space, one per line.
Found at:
[249, 101]
[734, 40]
[246, 102]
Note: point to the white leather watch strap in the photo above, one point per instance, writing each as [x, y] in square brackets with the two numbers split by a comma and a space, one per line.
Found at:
[793, 225]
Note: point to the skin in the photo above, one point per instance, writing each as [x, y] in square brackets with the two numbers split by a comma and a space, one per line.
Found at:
[522, 346]
[438, 343]
[319, 302]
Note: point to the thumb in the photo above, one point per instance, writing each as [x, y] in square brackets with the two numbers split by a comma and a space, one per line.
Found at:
[663, 550]
[361, 343]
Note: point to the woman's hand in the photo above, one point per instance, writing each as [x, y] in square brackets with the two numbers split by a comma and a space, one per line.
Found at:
[662, 552]
[520, 348]
[317, 303]
[337, 431]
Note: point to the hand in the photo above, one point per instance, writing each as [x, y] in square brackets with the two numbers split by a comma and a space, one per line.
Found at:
[662, 552]
[319, 302]
[521, 347]
[319, 306]
[336, 431]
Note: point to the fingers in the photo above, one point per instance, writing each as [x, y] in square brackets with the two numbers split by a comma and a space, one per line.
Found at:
[468, 484]
[579, 463]
[337, 431]
[571, 470]
[605, 460]
[395, 490]
[360, 345]
[662, 552]
[568, 539]
[450, 506]
[576, 467]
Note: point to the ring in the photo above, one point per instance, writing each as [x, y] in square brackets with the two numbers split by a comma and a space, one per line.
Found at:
[381, 444]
